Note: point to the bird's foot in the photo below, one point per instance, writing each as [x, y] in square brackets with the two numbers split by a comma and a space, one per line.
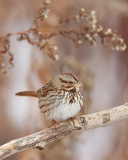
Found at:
[54, 123]
[72, 119]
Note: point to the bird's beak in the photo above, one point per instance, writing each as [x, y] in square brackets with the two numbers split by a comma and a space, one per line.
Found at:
[79, 84]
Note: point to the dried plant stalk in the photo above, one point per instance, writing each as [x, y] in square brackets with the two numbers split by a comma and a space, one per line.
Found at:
[84, 122]
[85, 29]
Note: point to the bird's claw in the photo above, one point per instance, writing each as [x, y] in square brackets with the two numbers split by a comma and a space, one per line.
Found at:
[72, 119]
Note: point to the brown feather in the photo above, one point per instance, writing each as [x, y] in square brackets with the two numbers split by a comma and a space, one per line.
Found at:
[27, 93]
[44, 91]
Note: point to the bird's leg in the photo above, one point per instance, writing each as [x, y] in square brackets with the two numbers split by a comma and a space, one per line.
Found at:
[72, 119]
[54, 123]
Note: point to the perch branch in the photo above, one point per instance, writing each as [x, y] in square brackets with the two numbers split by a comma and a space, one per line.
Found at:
[85, 122]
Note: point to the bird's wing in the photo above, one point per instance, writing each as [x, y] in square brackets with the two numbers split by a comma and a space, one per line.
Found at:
[45, 89]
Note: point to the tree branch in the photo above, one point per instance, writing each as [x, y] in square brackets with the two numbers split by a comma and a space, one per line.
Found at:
[85, 122]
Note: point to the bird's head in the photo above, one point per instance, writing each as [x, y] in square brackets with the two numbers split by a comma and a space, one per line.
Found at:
[67, 81]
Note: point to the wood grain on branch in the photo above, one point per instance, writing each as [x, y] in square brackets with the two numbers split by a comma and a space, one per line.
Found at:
[85, 122]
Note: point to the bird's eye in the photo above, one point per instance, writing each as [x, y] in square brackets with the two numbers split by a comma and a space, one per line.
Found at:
[70, 82]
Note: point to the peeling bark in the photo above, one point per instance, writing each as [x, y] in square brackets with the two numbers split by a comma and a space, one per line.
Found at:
[85, 122]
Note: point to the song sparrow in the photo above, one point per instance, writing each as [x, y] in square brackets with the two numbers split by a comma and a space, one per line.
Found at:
[60, 98]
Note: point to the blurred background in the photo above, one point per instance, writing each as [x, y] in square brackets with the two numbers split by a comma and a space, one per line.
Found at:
[103, 72]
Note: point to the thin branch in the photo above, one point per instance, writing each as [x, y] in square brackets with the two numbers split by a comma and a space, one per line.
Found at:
[85, 122]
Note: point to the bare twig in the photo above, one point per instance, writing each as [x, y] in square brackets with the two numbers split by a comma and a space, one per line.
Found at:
[85, 122]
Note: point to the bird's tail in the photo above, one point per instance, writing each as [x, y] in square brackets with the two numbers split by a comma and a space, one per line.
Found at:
[27, 93]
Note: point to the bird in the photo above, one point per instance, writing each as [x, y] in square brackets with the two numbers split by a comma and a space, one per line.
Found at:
[60, 99]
